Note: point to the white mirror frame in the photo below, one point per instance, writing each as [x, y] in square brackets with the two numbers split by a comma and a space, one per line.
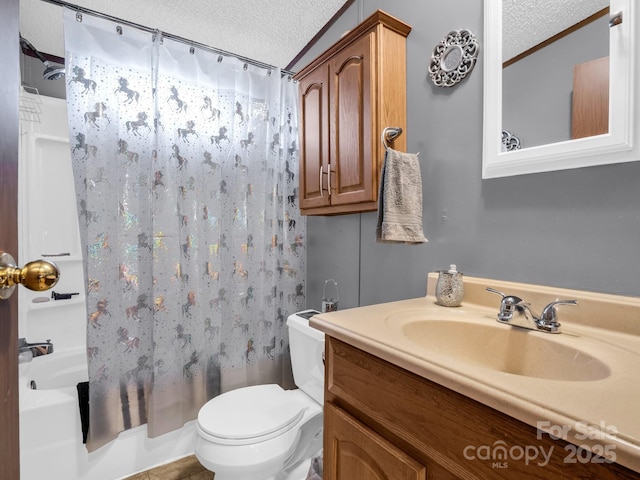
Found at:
[621, 144]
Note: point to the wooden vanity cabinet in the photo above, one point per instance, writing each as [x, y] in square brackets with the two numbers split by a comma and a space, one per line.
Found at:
[348, 95]
[383, 422]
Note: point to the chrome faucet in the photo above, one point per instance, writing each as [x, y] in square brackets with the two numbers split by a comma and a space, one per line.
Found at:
[36, 349]
[515, 311]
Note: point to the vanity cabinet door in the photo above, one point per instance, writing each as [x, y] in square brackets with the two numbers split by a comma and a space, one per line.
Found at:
[355, 452]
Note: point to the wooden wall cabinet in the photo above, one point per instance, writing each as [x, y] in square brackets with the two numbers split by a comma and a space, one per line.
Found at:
[383, 422]
[348, 95]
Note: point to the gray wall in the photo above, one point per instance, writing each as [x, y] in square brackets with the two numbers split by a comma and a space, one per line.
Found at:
[574, 229]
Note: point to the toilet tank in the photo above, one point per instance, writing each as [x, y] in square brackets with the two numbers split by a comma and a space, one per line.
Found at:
[307, 351]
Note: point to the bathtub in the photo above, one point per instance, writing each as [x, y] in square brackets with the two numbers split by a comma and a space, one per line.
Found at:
[50, 429]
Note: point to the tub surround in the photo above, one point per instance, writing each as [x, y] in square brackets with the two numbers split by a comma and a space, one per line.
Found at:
[51, 441]
[603, 326]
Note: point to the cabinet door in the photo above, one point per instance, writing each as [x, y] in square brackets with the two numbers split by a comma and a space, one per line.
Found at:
[314, 139]
[354, 452]
[352, 104]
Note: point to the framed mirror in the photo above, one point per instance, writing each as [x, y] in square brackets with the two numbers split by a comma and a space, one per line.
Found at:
[620, 143]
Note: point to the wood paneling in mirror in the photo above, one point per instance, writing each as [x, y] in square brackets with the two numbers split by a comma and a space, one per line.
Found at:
[590, 105]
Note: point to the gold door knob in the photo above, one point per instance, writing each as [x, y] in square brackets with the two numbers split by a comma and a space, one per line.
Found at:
[38, 275]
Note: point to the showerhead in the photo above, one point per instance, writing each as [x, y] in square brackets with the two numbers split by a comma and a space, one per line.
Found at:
[50, 72]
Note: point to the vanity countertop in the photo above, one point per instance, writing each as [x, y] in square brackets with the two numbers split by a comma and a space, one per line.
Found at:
[602, 414]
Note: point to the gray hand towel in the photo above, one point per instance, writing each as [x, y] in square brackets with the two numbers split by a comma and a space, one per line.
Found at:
[400, 199]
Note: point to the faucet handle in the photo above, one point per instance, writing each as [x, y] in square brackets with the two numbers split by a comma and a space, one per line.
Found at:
[549, 313]
[549, 317]
[493, 290]
[508, 305]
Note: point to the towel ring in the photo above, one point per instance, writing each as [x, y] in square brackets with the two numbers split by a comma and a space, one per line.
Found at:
[389, 134]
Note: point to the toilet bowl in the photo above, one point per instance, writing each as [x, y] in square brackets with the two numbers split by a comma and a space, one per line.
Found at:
[263, 432]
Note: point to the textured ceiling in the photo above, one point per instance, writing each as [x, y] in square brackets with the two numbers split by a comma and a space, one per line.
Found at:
[272, 32]
[525, 24]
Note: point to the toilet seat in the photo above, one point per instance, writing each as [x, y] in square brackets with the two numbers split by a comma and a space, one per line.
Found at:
[250, 415]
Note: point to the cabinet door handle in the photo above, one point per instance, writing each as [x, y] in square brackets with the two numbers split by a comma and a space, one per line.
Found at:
[321, 181]
[329, 179]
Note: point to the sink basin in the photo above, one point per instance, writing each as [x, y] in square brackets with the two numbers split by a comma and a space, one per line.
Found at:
[506, 349]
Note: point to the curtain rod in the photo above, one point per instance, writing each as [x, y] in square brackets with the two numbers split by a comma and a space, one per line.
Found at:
[170, 36]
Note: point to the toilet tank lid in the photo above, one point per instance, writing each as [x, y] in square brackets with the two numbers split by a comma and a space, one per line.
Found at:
[250, 412]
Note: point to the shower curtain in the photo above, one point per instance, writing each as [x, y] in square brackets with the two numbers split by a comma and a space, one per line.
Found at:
[185, 164]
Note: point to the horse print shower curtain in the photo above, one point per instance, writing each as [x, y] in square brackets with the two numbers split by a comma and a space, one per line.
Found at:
[185, 164]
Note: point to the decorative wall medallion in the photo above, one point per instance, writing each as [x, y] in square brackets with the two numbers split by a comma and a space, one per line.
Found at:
[509, 141]
[453, 58]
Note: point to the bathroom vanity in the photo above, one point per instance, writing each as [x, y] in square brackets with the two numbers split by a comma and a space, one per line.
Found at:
[414, 390]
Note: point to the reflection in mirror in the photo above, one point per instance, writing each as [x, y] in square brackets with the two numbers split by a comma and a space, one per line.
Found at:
[545, 145]
[540, 80]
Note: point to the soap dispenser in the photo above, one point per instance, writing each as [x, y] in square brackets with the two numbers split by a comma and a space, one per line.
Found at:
[450, 287]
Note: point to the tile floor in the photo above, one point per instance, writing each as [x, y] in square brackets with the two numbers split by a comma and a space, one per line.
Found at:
[187, 468]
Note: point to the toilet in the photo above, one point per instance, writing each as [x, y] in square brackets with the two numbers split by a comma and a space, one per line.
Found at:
[264, 432]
